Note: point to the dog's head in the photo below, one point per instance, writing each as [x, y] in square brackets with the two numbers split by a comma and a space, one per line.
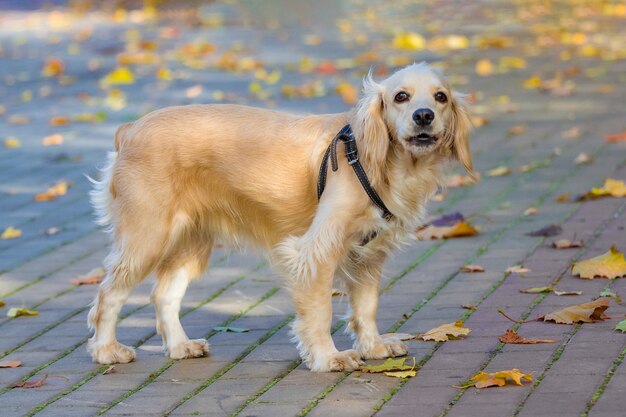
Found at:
[416, 108]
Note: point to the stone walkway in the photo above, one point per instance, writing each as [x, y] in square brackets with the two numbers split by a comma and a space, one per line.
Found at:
[573, 51]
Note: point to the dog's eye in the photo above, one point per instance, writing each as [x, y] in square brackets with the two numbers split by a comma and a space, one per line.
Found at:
[441, 97]
[401, 97]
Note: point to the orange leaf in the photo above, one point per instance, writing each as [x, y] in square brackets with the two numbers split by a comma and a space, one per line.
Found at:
[445, 331]
[512, 337]
[348, 92]
[484, 380]
[53, 67]
[10, 364]
[92, 277]
[52, 140]
[460, 229]
[617, 137]
[610, 265]
[53, 192]
[59, 121]
[580, 313]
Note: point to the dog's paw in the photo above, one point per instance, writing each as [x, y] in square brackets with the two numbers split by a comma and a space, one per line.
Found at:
[388, 347]
[110, 353]
[347, 360]
[190, 349]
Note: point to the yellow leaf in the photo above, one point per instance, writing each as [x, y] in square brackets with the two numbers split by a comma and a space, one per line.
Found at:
[483, 379]
[409, 40]
[611, 187]
[499, 171]
[484, 67]
[532, 82]
[120, 75]
[53, 192]
[16, 312]
[580, 313]
[12, 143]
[610, 265]
[460, 229]
[401, 374]
[53, 68]
[389, 365]
[163, 74]
[115, 99]
[52, 140]
[512, 62]
[445, 331]
[11, 233]
[348, 92]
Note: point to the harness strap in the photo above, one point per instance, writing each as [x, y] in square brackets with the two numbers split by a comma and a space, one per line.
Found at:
[345, 135]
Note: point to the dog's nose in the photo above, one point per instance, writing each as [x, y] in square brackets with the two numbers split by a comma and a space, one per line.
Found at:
[423, 117]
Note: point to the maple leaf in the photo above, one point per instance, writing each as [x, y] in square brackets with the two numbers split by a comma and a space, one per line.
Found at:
[390, 365]
[11, 233]
[567, 244]
[511, 337]
[16, 312]
[53, 192]
[516, 130]
[610, 265]
[90, 278]
[579, 313]
[445, 331]
[621, 326]
[499, 171]
[472, 268]
[10, 364]
[484, 380]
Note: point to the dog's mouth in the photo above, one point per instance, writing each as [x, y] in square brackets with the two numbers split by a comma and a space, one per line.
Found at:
[422, 140]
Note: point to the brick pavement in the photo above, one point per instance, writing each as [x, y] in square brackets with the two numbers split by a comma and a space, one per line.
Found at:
[258, 373]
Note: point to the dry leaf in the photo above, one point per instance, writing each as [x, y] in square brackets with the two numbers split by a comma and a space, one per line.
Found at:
[399, 336]
[517, 269]
[582, 158]
[546, 231]
[409, 40]
[469, 306]
[499, 171]
[53, 67]
[611, 188]
[390, 365]
[563, 293]
[580, 313]
[53, 192]
[530, 211]
[563, 198]
[516, 130]
[120, 75]
[484, 380]
[617, 137]
[472, 268]
[348, 92]
[16, 312]
[536, 290]
[567, 244]
[31, 384]
[194, 91]
[484, 67]
[10, 364]
[610, 265]
[445, 331]
[447, 226]
[59, 121]
[2, 304]
[109, 370]
[11, 233]
[402, 374]
[55, 139]
[18, 119]
[511, 337]
[12, 143]
[90, 278]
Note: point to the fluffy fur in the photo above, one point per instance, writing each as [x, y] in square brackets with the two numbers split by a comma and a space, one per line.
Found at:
[183, 177]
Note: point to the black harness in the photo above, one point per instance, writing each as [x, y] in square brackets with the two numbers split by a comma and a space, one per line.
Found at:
[345, 135]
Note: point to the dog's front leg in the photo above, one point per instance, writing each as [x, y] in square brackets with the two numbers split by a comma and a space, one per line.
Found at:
[363, 290]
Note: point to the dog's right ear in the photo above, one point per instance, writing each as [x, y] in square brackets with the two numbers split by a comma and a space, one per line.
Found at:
[370, 128]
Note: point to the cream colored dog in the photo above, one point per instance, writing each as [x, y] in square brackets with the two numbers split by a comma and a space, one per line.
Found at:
[183, 177]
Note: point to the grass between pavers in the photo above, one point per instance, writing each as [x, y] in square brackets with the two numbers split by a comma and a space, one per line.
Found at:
[557, 354]
[479, 253]
[122, 317]
[155, 374]
[605, 382]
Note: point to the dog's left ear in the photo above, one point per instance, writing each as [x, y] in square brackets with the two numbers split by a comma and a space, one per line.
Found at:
[370, 128]
[461, 126]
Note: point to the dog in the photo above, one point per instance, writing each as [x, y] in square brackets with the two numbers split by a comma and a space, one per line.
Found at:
[183, 177]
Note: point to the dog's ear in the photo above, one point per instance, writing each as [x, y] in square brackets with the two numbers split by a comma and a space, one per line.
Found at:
[461, 126]
[369, 126]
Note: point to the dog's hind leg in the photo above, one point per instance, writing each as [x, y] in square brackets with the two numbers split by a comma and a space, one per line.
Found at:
[173, 277]
[363, 283]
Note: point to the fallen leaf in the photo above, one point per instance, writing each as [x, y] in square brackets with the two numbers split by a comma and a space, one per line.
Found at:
[2, 304]
[621, 326]
[517, 269]
[479, 121]
[582, 159]
[472, 268]
[51, 231]
[348, 92]
[608, 293]
[163, 74]
[611, 188]
[536, 290]
[530, 211]
[193, 91]
[59, 121]
[516, 130]
[567, 244]
[230, 329]
[120, 75]
[10, 364]
[499, 171]
[511, 337]
[390, 365]
[572, 133]
[470, 306]
[11, 233]
[580, 313]
[55, 139]
[563, 198]
[12, 143]
[610, 265]
[31, 384]
[564, 293]
[484, 67]
[447, 226]
[16, 312]
[402, 374]
[109, 370]
[53, 67]
[445, 331]
[532, 82]
[484, 380]
[546, 231]
[409, 40]
[400, 336]
[90, 278]
[53, 192]
[617, 137]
